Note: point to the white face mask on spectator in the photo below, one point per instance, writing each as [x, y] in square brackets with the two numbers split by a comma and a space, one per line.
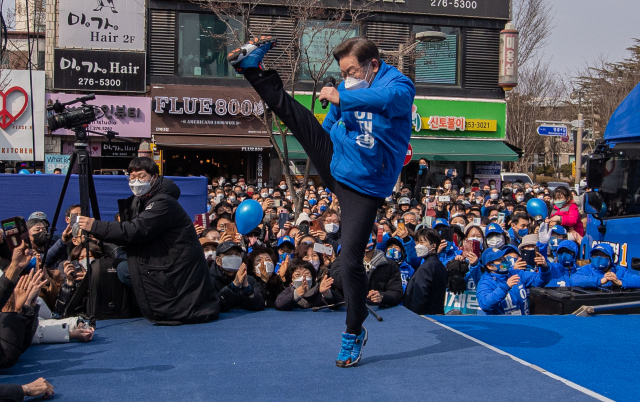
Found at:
[83, 262]
[494, 196]
[210, 255]
[316, 265]
[231, 262]
[421, 250]
[331, 227]
[268, 266]
[264, 195]
[495, 241]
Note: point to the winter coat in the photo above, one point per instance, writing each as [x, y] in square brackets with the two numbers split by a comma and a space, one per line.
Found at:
[270, 289]
[16, 332]
[496, 298]
[168, 270]
[11, 393]
[590, 277]
[288, 299]
[384, 277]
[426, 289]
[561, 276]
[425, 179]
[570, 217]
[370, 131]
[232, 296]
[52, 330]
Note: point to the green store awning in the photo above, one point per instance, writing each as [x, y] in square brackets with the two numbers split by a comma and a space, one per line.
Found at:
[438, 150]
[462, 150]
[295, 149]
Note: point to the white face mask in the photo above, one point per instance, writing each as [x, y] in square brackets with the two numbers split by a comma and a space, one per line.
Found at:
[478, 239]
[209, 54]
[270, 191]
[221, 181]
[520, 198]
[234, 180]
[231, 262]
[264, 195]
[83, 262]
[496, 241]
[331, 227]
[210, 255]
[298, 282]
[288, 197]
[467, 181]
[352, 83]
[316, 265]
[493, 196]
[268, 266]
[139, 187]
[283, 186]
[447, 186]
[421, 250]
[232, 199]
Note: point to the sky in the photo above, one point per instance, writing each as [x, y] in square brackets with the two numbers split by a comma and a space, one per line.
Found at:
[585, 29]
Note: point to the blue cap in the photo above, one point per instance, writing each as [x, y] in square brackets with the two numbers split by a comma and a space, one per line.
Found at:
[441, 221]
[557, 229]
[492, 254]
[569, 245]
[510, 248]
[286, 239]
[394, 240]
[604, 247]
[493, 228]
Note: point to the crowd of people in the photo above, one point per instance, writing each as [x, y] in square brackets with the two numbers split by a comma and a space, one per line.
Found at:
[453, 235]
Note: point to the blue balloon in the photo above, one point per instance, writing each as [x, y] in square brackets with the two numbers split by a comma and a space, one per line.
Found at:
[603, 211]
[38, 172]
[24, 171]
[537, 208]
[248, 216]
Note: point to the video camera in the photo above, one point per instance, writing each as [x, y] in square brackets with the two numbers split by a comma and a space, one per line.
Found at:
[71, 118]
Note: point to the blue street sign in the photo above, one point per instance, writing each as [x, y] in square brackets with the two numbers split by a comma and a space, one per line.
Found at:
[560, 131]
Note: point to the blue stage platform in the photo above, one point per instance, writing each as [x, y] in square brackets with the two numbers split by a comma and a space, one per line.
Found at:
[289, 356]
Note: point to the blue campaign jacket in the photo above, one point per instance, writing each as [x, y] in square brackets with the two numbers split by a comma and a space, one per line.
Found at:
[473, 276]
[406, 272]
[495, 297]
[589, 277]
[561, 276]
[370, 132]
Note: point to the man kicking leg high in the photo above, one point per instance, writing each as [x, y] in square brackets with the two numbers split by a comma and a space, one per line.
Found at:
[358, 151]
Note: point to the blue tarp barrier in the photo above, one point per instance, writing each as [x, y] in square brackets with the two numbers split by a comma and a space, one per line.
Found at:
[23, 194]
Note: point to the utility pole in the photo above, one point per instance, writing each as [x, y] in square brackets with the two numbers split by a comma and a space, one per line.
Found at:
[579, 148]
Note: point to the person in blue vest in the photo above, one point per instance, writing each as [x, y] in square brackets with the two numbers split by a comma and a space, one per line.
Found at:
[603, 273]
[286, 246]
[447, 250]
[565, 267]
[358, 151]
[394, 251]
[503, 290]
[495, 236]
[519, 227]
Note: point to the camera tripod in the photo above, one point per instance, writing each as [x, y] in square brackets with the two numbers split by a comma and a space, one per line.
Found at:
[88, 199]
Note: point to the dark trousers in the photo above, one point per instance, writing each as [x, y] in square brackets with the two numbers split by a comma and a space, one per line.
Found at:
[358, 210]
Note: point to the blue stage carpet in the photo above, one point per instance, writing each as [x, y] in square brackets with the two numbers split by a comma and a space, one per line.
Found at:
[599, 353]
[276, 356]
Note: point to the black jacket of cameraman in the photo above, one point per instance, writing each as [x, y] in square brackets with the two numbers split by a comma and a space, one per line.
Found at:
[169, 273]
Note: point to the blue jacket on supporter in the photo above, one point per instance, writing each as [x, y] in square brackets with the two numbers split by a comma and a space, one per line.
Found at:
[560, 275]
[474, 275]
[449, 253]
[589, 277]
[406, 272]
[370, 132]
[495, 297]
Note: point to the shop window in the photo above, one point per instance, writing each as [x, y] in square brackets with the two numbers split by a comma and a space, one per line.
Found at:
[437, 63]
[318, 41]
[203, 44]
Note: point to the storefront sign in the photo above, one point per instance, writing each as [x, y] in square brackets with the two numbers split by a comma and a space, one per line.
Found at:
[94, 148]
[487, 171]
[259, 170]
[129, 116]
[52, 162]
[494, 9]
[508, 75]
[183, 109]
[95, 70]
[16, 125]
[101, 24]
[119, 149]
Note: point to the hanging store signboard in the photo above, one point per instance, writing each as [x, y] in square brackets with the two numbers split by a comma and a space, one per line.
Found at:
[185, 109]
[101, 24]
[17, 128]
[95, 70]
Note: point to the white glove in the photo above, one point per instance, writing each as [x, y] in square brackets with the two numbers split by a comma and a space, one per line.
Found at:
[544, 235]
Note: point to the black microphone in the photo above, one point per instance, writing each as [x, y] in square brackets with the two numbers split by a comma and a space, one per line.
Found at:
[328, 82]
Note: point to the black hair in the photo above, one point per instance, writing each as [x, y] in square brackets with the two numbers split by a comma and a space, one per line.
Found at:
[428, 234]
[143, 163]
[362, 48]
[303, 248]
[256, 250]
[67, 213]
[563, 191]
[520, 215]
